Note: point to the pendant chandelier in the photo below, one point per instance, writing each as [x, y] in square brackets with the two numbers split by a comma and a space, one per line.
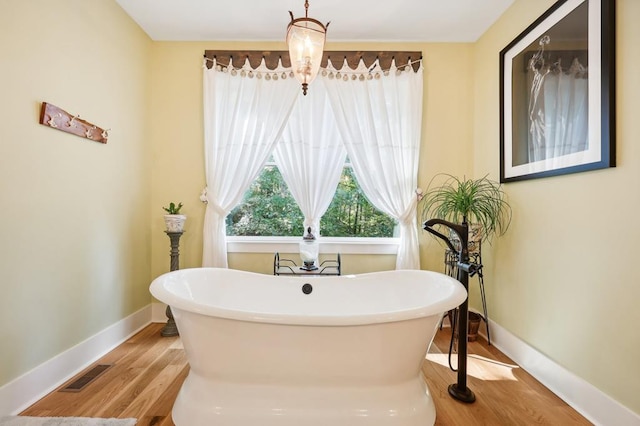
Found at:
[305, 39]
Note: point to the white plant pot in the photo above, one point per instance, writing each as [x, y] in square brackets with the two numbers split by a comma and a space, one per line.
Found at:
[175, 222]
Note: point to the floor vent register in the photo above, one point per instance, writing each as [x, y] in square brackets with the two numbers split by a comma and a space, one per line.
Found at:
[87, 377]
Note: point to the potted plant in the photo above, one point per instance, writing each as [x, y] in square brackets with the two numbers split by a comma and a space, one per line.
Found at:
[173, 219]
[479, 202]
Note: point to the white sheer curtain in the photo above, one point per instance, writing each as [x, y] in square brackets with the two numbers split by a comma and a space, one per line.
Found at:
[380, 118]
[558, 111]
[311, 155]
[245, 112]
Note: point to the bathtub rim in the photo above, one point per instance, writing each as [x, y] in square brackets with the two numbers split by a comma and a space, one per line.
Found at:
[451, 301]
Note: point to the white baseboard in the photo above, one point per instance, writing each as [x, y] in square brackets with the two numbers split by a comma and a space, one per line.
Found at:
[25, 390]
[158, 312]
[596, 406]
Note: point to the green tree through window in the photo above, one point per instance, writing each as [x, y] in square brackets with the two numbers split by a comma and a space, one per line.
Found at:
[268, 209]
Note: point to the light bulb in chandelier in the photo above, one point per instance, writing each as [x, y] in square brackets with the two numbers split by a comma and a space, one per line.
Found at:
[305, 38]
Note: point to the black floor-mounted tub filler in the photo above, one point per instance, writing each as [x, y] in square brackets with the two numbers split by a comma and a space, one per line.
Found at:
[459, 390]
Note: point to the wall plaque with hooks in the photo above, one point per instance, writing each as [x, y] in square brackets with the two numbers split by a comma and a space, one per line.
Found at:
[57, 118]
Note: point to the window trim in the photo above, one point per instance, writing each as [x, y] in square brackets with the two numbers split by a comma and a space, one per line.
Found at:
[342, 245]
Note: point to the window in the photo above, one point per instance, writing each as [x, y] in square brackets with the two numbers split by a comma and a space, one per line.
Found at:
[268, 209]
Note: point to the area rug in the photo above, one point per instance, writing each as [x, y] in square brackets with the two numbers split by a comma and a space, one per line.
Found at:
[63, 421]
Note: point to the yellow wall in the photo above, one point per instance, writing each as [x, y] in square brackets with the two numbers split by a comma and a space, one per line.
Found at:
[177, 134]
[563, 278]
[75, 252]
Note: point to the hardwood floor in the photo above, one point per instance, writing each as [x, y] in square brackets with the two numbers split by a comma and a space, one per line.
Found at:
[148, 370]
[505, 394]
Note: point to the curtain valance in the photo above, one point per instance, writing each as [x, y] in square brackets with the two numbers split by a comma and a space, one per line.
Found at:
[276, 58]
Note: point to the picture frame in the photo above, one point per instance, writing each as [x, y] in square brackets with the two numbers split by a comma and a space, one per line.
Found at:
[557, 93]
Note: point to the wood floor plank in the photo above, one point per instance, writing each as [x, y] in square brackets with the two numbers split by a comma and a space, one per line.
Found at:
[164, 403]
[129, 394]
[151, 393]
[148, 371]
[154, 421]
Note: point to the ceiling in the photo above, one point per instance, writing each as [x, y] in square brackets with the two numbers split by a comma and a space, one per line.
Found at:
[351, 20]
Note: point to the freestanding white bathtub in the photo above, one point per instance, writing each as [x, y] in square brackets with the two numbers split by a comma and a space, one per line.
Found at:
[264, 353]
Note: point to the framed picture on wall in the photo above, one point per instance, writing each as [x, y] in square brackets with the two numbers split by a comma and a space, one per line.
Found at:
[557, 93]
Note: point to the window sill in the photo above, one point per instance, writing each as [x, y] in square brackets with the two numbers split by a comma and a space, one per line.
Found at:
[327, 245]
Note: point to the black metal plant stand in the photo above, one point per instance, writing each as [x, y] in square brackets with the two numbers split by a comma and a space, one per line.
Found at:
[170, 328]
[451, 259]
[459, 390]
